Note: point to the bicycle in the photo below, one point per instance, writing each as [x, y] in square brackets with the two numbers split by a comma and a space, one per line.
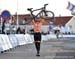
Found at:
[44, 14]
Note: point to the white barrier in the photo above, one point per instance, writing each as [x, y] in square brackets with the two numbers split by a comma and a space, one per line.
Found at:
[1, 44]
[6, 43]
[67, 36]
[13, 40]
[21, 39]
[43, 38]
[29, 38]
[51, 36]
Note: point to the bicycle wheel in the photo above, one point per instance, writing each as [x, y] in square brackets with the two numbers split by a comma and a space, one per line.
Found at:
[46, 15]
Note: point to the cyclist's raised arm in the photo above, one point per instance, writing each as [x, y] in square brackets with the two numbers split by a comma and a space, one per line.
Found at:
[33, 22]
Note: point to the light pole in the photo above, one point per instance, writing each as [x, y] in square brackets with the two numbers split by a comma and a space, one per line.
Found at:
[17, 22]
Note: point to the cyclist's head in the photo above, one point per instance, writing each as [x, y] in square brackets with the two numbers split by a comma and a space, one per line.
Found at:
[37, 20]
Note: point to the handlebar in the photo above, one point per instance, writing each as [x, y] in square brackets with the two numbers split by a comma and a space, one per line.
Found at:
[45, 4]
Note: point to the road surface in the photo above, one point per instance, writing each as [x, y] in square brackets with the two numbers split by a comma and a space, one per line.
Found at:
[52, 49]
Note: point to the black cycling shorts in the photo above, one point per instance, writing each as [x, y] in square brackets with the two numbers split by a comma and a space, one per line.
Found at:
[37, 36]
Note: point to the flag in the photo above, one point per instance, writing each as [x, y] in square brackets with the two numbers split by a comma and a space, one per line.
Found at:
[71, 6]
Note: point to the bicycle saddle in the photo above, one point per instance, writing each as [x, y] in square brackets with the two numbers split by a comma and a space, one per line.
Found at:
[29, 9]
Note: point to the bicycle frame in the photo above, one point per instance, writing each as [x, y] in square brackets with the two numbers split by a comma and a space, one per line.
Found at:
[43, 9]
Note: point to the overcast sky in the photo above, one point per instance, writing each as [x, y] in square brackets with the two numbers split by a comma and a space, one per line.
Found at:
[20, 6]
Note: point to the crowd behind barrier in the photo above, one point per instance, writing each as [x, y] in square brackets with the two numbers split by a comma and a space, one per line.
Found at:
[10, 41]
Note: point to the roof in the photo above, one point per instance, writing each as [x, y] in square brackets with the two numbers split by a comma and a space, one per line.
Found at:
[62, 20]
[57, 20]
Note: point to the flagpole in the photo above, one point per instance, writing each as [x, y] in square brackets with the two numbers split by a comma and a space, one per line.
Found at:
[1, 21]
[17, 22]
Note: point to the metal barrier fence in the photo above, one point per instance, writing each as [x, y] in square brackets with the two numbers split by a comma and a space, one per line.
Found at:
[8, 42]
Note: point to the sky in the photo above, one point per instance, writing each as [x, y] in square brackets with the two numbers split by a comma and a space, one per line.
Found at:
[20, 6]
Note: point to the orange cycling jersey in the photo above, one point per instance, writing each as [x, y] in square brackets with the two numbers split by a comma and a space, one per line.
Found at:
[37, 26]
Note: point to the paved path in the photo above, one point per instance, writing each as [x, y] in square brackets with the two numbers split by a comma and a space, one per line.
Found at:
[53, 49]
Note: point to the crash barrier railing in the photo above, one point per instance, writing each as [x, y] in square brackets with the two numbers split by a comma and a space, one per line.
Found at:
[11, 41]
[8, 42]
[66, 35]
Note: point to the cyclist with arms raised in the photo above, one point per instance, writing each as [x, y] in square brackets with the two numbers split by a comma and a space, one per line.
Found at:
[37, 34]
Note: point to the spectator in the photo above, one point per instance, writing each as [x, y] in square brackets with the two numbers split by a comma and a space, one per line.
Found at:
[3, 27]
